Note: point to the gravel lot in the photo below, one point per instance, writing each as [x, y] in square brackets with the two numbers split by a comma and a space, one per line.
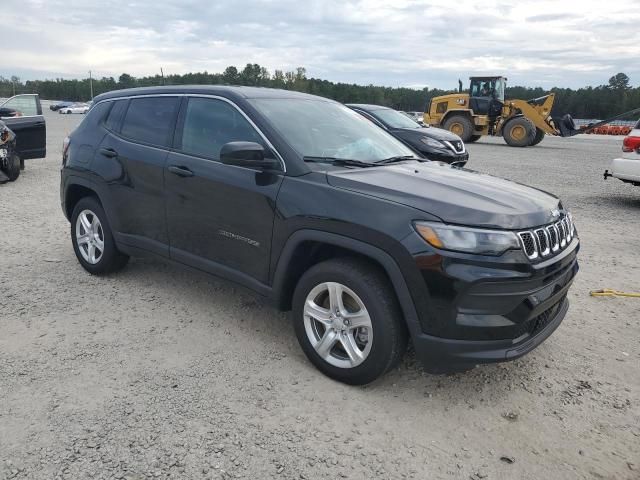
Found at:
[162, 372]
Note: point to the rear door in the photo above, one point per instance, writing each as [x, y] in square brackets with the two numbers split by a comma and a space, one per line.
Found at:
[23, 115]
[219, 216]
[131, 160]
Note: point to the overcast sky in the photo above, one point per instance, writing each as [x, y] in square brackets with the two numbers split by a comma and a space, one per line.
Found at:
[384, 42]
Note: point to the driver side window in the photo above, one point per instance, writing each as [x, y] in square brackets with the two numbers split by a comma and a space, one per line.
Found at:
[20, 106]
[209, 124]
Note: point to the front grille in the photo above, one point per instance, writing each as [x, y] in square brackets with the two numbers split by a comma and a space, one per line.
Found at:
[548, 240]
[542, 320]
[529, 244]
[539, 322]
[457, 146]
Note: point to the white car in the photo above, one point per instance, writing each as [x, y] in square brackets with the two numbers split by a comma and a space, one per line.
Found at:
[415, 116]
[75, 108]
[627, 168]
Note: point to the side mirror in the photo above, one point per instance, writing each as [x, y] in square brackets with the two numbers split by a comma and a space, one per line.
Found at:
[246, 154]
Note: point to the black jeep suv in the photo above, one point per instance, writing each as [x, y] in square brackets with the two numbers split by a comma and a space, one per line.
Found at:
[306, 202]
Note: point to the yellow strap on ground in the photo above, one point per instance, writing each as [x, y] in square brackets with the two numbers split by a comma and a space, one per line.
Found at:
[607, 292]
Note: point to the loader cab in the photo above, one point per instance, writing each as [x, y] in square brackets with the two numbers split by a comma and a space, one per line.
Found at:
[486, 95]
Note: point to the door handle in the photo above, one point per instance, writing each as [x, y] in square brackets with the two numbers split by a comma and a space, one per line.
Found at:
[108, 152]
[180, 171]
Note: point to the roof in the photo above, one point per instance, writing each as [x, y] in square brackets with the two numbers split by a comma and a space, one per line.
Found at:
[367, 107]
[221, 90]
[487, 77]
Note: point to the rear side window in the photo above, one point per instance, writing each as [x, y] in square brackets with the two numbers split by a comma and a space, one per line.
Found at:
[96, 115]
[115, 115]
[150, 120]
[209, 124]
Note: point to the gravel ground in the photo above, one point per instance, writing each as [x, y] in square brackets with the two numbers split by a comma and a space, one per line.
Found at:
[161, 372]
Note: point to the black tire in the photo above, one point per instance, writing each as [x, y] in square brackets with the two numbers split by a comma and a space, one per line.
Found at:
[474, 138]
[461, 125]
[68, 112]
[22, 164]
[111, 259]
[519, 132]
[13, 167]
[389, 331]
[538, 138]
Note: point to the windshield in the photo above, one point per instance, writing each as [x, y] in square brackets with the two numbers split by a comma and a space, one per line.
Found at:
[316, 128]
[394, 119]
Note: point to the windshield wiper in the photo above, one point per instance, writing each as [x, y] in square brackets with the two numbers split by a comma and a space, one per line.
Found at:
[338, 161]
[396, 159]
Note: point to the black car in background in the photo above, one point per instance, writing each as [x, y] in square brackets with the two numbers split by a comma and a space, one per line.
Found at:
[432, 143]
[303, 200]
[57, 106]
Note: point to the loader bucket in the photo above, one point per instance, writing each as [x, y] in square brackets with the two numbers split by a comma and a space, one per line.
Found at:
[566, 126]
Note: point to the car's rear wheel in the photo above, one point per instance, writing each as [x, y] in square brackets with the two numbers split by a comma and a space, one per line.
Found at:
[348, 322]
[93, 240]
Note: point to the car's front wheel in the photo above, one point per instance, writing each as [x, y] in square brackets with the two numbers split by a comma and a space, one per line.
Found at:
[348, 321]
[92, 239]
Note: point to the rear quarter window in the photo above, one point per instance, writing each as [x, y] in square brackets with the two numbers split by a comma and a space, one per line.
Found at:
[150, 120]
[112, 122]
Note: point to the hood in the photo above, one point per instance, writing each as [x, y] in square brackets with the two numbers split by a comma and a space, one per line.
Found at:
[456, 196]
[432, 132]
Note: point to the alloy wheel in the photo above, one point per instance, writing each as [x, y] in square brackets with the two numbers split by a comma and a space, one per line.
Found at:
[90, 237]
[338, 325]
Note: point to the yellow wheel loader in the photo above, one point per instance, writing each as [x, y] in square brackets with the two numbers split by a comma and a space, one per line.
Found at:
[484, 111]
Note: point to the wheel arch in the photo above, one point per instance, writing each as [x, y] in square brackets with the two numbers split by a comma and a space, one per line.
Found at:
[306, 248]
[77, 188]
[457, 111]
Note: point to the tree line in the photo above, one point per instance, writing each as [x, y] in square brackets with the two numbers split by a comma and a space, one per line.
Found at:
[589, 102]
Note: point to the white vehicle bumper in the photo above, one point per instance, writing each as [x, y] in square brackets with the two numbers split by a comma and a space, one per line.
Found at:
[625, 169]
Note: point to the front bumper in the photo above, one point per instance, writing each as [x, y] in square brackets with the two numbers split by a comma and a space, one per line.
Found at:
[447, 157]
[480, 310]
[442, 355]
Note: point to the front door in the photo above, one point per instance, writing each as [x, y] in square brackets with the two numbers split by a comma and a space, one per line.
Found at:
[23, 115]
[219, 216]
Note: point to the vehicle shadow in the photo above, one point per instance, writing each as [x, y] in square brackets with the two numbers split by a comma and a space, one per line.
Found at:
[245, 313]
[617, 200]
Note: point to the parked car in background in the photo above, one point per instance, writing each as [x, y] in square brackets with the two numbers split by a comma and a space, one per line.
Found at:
[57, 106]
[432, 143]
[75, 108]
[310, 204]
[627, 167]
[417, 117]
[22, 114]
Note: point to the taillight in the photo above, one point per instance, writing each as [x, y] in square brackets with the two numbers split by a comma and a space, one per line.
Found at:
[631, 144]
[65, 149]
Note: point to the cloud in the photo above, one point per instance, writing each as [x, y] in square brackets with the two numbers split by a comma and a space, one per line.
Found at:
[399, 43]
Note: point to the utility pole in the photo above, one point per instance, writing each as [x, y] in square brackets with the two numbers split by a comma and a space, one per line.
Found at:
[91, 84]
[162, 75]
[14, 88]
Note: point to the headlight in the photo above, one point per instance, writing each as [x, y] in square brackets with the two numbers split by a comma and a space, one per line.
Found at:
[431, 142]
[466, 239]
